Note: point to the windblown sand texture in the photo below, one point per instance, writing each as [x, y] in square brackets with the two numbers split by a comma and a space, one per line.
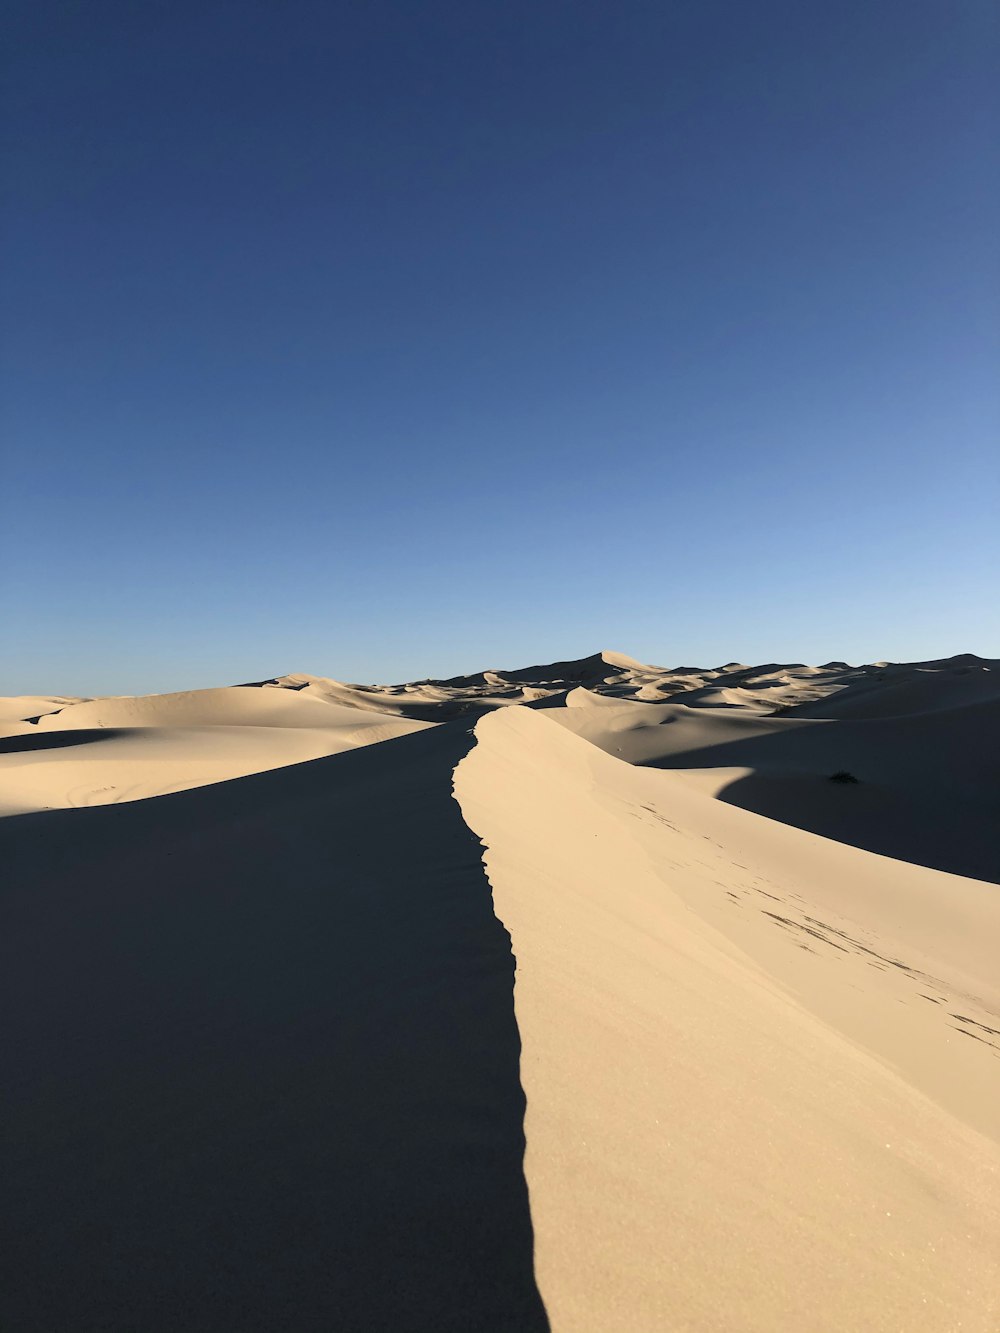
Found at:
[592, 996]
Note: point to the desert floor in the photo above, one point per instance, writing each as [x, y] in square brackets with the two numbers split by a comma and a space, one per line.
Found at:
[592, 996]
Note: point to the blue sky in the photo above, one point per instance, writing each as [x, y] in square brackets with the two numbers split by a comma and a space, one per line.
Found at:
[385, 340]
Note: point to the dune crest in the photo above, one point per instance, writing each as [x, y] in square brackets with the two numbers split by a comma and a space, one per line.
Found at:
[101, 751]
[690, 1124]
[917, 737]
[589, 996]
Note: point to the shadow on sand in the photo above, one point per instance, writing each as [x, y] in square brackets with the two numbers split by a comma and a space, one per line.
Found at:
[57, 740]
[263, 1066]
[926, 792]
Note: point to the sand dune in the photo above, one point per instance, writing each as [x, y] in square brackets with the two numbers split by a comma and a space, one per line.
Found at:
[884, 687]
[906, 690]
[747, 1105]
[271, 1065]
[927, 785]
[264, 1059]
[22, 711]
[264, 706]
[97, 751]
[97, 767]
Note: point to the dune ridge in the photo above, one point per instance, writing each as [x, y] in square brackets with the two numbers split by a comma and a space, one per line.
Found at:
[918, 737]
[96, 751]
[262, 1060]
[575, 997]
[796, 1102]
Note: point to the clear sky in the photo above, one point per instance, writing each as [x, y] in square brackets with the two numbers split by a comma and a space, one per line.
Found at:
[393, 339]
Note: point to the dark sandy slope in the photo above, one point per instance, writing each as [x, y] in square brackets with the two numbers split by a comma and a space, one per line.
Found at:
[261, 1060]
[926, 785]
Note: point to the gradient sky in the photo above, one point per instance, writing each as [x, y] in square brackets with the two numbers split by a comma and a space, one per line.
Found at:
[386, 340]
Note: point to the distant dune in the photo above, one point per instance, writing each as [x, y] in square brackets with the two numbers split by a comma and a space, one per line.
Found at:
[95, 751]
[584, 996]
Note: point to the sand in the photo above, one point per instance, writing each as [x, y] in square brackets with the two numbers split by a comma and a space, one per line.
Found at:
[502, 1002]
[749, 1101]
[97, 751]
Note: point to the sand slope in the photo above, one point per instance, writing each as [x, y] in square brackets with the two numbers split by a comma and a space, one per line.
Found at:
[97, 751]
[267, 1055]
[920, 737]
[261, 1059]
[743, 1111]
[927, 789]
